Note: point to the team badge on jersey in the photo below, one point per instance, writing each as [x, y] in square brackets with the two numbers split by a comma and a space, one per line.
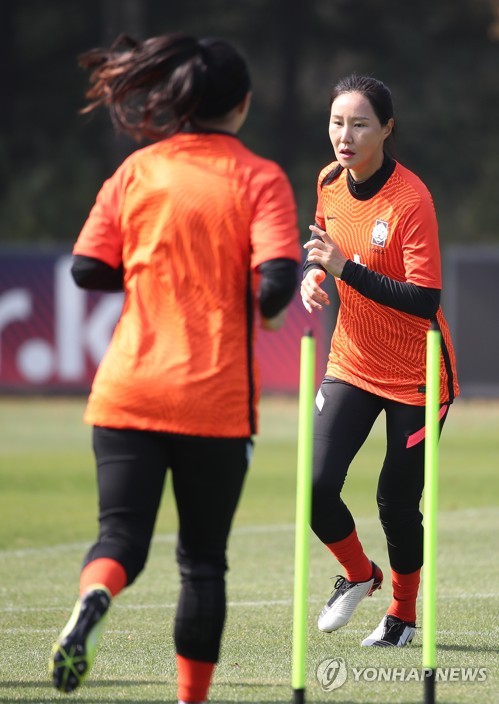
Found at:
[380, 233]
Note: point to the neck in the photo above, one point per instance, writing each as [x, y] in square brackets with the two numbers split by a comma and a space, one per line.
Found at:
[364, 190]
[218, 125]
[363, 175]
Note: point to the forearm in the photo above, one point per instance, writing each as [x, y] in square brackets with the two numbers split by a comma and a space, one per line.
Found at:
[312, 265]
[402, 296]
[277, 287]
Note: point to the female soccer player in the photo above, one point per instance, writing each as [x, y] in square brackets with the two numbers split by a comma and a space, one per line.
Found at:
[201, 234]
[376, 232]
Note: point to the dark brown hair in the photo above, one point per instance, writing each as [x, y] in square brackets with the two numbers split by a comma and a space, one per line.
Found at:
[154, 87]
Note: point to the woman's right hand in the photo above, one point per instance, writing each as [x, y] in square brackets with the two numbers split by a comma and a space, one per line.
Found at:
[312, 295]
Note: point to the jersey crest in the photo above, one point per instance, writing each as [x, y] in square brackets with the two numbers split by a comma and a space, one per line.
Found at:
[379, 234]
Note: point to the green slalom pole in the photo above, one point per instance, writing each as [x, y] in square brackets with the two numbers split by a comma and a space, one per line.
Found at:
[432, 432]
[303, 510]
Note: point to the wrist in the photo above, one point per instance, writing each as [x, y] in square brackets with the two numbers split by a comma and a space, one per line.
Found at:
[274, 323]
[348, 270]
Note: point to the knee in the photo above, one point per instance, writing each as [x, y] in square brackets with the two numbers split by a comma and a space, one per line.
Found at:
[326, 488]
[398, 513]
[326, 497]
[201, 568]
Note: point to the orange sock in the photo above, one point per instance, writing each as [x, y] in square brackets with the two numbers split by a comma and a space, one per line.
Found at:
[405, 592]
[110, 573]
[352, 558]
[194, 678]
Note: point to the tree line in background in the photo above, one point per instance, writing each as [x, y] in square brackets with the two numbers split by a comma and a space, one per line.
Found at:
[441, 60]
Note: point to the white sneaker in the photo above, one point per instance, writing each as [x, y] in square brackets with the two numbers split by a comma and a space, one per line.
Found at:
[392, 631]
[339, 609]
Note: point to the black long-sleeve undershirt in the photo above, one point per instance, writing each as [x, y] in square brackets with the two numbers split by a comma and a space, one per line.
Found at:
[95, 275]
[277, 287]
[400, 295]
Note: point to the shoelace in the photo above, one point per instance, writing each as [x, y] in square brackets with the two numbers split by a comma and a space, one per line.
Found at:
[341, 583]
[393, 626]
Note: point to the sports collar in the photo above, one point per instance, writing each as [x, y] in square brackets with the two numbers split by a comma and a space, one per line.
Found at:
[373, 185]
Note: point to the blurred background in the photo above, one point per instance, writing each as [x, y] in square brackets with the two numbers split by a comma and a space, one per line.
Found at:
[440, 59]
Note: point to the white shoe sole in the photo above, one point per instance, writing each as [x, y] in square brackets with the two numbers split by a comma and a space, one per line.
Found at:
[376, 637]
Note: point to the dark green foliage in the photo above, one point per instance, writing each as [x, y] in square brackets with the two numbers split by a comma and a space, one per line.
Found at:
[441, 61]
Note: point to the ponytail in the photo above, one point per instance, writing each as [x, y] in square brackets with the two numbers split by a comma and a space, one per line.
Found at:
[155, 87]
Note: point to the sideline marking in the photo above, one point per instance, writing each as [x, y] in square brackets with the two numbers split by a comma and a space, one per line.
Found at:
[238, 530]
[243, 604]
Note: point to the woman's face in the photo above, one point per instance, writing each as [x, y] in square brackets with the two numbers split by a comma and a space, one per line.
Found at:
[357, 135]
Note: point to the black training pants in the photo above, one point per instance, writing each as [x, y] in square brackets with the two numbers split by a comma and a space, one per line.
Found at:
[344, 416]
[207, 476]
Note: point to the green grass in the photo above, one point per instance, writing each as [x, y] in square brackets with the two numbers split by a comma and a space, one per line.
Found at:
[48, 517]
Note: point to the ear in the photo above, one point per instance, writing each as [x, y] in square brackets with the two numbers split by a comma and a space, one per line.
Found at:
[388, 128]
[243, 106]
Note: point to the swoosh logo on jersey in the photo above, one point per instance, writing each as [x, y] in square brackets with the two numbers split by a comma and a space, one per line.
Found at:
[330, 217]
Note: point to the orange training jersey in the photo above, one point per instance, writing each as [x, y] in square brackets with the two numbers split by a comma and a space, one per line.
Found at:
[191, 218]
[395, 233]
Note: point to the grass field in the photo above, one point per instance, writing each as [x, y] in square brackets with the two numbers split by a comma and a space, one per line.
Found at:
[48, 518]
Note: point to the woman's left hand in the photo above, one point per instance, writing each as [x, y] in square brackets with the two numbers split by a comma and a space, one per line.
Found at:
[325, 252]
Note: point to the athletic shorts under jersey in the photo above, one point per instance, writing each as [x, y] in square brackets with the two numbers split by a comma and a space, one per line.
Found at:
[191, 218]
[395, 233]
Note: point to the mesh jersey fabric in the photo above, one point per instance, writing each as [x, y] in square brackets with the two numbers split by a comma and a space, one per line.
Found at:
[394, 233]
[191, 218]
